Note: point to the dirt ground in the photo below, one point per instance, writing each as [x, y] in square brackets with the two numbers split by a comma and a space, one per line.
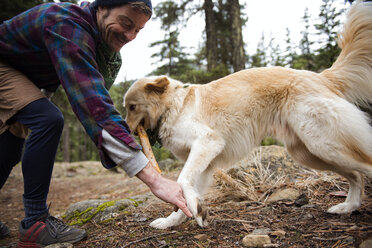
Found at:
[229, 221]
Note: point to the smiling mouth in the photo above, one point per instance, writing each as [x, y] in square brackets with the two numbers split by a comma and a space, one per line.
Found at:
[121, 38]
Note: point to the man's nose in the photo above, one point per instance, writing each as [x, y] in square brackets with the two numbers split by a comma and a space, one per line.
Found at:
[131, 35]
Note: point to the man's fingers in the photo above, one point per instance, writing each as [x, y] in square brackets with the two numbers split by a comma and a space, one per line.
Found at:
[184, 209]
[187, 212]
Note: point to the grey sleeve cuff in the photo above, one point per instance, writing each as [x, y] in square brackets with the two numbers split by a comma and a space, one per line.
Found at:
[135, 164]
[129, 160]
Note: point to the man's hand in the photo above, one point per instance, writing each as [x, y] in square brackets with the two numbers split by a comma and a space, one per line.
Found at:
[165, 189]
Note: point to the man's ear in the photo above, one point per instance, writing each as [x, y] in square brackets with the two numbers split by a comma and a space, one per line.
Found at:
[159, 85]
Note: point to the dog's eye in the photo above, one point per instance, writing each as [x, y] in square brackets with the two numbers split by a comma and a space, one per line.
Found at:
[132, 107]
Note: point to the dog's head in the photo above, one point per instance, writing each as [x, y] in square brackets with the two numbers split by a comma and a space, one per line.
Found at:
[145, 102]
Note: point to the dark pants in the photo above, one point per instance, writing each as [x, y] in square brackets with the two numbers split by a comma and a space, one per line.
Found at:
[45, 121]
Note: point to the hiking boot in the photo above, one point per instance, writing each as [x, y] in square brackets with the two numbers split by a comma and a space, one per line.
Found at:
[48, 230]
[4, 230]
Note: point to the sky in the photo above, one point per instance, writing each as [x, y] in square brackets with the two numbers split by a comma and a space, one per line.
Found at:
[271, 17]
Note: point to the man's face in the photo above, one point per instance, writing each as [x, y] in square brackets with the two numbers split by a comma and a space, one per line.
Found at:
[119, 25]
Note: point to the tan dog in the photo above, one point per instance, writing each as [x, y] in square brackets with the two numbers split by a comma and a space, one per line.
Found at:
[314, 114]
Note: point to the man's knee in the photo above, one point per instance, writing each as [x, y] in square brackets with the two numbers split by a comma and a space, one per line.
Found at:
[41, 114]
[55, 120]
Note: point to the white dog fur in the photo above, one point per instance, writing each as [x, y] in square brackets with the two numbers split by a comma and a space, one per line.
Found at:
[314, 114]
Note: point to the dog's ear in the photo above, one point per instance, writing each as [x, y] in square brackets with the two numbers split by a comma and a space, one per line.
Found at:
[159, 86]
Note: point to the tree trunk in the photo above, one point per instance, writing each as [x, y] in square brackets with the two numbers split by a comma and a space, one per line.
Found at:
[210, 27]
[238, 55]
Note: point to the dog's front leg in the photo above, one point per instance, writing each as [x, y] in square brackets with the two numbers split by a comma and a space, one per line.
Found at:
[202, 152]
[174, 219]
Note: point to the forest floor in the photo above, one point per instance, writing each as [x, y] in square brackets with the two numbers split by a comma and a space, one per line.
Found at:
[229, 220]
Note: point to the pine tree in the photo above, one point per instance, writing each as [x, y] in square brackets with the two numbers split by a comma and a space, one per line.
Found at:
[306, 58]
[327, 29]
[223, 49]
[290, 53]
[259, 58]
[170, 49]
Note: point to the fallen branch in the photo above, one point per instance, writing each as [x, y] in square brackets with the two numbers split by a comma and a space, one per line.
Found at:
[144, 139]
[236, 220]
[330, 239]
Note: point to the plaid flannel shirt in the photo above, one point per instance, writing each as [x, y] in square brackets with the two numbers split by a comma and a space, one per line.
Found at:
[55, 43]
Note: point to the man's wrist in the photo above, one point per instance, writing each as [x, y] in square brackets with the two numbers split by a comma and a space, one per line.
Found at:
[148, 175]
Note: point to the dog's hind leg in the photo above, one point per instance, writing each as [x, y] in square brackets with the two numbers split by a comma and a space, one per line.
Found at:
[334, 135]
[300, 153]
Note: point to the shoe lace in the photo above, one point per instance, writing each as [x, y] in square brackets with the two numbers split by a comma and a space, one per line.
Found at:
[56, 226]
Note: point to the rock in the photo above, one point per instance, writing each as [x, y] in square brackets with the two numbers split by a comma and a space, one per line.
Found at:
[100, 210]
[276, 158]
[261, 231]
[201, 237]
[308, 216]
[309, 206]
[284, 194]
[366, 243]
[140, 217]
[60, 245]
[278, 233]
[301, 200]
[253, 240]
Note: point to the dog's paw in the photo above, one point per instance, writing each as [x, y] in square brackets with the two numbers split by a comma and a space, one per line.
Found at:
[161, 223]
[343, 208]
[174, 219]
[202, 215]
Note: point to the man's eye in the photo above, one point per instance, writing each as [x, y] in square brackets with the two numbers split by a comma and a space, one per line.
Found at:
[126, 25]
[132, 107]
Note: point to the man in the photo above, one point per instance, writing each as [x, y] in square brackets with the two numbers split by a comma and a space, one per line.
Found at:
[77, 47]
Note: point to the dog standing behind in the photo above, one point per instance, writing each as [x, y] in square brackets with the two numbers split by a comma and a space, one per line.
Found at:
[314, 114]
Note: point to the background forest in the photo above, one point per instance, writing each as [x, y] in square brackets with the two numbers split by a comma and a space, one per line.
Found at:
[222, 53]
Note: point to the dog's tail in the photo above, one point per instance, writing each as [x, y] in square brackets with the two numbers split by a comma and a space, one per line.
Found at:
[351, 73]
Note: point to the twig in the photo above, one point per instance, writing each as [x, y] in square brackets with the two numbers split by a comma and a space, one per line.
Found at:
[147, 238]
[336, 244]
[327, 231]
[243, 221]
[330, 239]
[198, 245]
